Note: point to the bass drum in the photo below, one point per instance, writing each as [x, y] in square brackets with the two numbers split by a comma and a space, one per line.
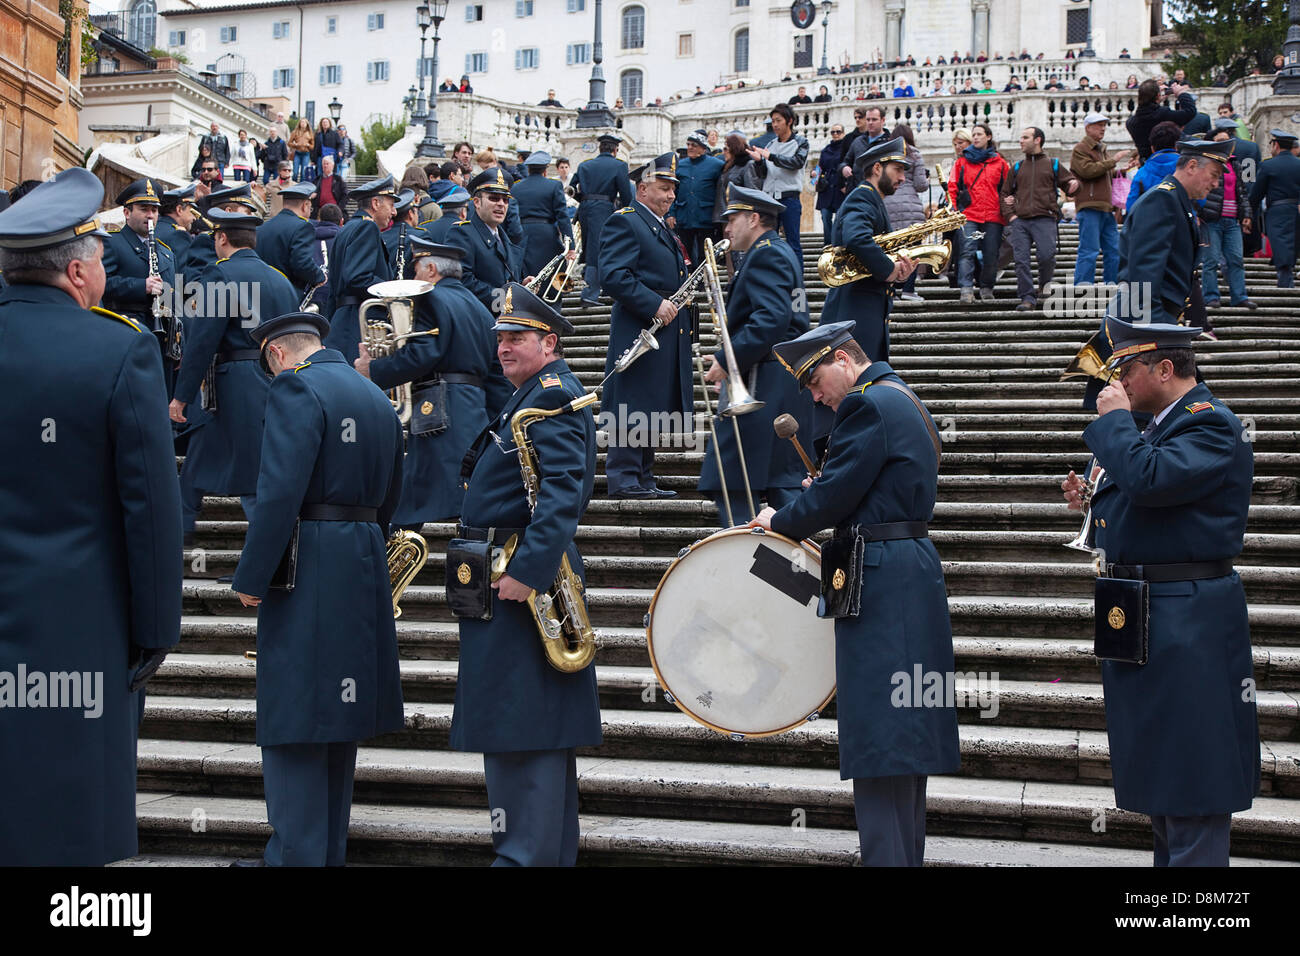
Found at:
[734, 635]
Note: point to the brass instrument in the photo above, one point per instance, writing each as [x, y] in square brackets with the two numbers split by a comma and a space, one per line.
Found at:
[1088, 363]
[325, 268]
[568, 639]
[837, 266]
[1090, 482]
[385, 338]
[544, 273]
[563, 280]
[646, 340]
[166, 326]
[407, 554]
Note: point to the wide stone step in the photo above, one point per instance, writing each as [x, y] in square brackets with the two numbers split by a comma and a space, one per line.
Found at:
[807, 802]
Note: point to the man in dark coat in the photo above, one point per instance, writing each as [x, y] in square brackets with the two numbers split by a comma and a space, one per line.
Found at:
[178, 211]
[642, 266]
[1170, 509]
[457, 385]
[543, 213]
[862, 217]
[766, 305]
[489, 254]
[327, 671]
[691, 215]
[397, 237]
[216, 141]
[202, 253]
[1278, 188]
[1150, 113]
[878, 486]
[455, 205]
[240, 291]
[129, 289]
[287, 241]
[600, 185]
[90, 537]
[358, 261]
[525, 716]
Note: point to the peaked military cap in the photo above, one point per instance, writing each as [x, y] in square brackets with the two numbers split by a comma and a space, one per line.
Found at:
[1127, 341]
[141, 192]
[376, 187]
[67, 203]
[1284, 139]
[539, 158]
[884, 151]
[1206, 149]
[311, 322]
[456, 197]
[241, 194]
[801, 356]
[221, 219]
[662, 167]
[298, 191]
[490, 180]
[404, 200]
[744, 199]
[524, 312]
[1225, 123]
[608, 139]
[427, 247]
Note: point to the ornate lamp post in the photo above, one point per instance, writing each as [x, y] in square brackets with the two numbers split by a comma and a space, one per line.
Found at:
[429, 146]
[596, 113]
[336, 110]
[1287, 81]
[826, 19]
[423, 17]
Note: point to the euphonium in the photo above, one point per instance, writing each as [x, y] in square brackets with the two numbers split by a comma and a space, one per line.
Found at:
[385, 338]
[837, 266]
[562, 282]
[407, 553]
[568, 639]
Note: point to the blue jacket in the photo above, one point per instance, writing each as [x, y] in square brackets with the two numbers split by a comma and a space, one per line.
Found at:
[861, 218]
[1276, 189]
[174, 237]
[1158, 247]
[693, 207]
[545, 220]
[764, 308]
[881, 467]
[508, 697]
[126, 265]
[1184, 738]
[326, 650]
[601, 185]
[431, 482]
[357, 261]
[1157, 167]
[287, 242]
[225, 454]
[390, 236]
[200, 254]
[90, 567]
[641, 265]
[489, 262]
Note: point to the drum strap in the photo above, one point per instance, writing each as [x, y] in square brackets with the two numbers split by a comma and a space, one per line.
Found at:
[925, 415]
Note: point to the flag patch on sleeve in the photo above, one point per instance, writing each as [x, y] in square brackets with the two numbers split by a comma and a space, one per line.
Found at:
[1198, 407]
[550, 381]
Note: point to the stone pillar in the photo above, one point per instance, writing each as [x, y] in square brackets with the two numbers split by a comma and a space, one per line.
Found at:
[980, 27]
[893, 33]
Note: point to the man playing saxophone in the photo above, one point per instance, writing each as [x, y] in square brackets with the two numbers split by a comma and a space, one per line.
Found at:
[862, 217]
[525, 715]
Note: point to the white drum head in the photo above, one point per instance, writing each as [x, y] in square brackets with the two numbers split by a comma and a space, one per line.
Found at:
[734, 635]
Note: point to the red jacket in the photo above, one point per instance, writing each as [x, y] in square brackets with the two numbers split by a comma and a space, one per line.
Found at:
[984, 187]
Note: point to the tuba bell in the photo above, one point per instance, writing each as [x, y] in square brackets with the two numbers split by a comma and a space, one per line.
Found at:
[386, 337]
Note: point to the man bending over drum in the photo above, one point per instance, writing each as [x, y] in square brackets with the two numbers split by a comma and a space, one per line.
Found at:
[877, 490]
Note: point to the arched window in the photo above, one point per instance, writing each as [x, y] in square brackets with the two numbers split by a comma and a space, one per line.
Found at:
[629, 87]
[634, 28]
[141, 23]
[741, 51]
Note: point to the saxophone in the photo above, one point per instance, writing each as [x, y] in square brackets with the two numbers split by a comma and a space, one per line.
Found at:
[837, 266]
[568, 639]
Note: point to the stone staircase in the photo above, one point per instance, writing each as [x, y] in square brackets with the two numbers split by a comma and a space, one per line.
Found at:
[1034, 788]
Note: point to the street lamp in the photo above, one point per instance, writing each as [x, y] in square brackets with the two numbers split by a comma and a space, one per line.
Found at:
[336, 110]
[826, 19]
[1088, 52]
[1287, 81]
[596, 114]
[429, 146]
[423, 17]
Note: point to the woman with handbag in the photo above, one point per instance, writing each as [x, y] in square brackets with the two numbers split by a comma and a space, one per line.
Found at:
[974, 188]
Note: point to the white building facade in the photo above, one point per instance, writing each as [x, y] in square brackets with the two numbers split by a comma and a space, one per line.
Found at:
[368, 54]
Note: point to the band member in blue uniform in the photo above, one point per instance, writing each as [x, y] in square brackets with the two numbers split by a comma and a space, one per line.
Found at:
[90, 537]
[862, 217]
[1170, 509]
[455, 207]
[1278, 186]
[357, 261]
[543, 213]
[240, 290]
[327, 672]
[525, 716]
[202, 252]
[489, 253]
[691, 215]
[600, 185]
[765, 306]
[287, 241]
[129, 289]
[879, 482]
[176, 215]
[400, 233]
[458, 385]
[642, 265]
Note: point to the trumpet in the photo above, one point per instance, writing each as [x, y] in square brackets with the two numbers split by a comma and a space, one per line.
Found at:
[1082, 541]
[838, 266]
[385, 338]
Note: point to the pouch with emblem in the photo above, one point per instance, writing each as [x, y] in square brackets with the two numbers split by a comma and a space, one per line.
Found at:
[469, 578]
[1121, 620]
[841, 588]
[429, 409]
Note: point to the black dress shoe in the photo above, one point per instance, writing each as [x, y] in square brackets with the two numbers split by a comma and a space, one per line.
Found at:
[633, 494]
[226, 579]
[242, 863]
[662, 492]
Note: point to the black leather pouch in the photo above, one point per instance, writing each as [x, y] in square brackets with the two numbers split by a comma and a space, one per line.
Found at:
[469, 579]
[429, 410]
[1122, 615]
[287, 573]
[841, 585]
[210, 387]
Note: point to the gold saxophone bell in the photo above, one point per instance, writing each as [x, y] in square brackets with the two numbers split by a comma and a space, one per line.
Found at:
[838, 266]
[407, 554]
[385, 338]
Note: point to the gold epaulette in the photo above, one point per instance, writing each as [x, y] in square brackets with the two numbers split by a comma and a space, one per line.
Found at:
[121, 318]
[461, 222]
[114, 230]
[298, 368]
[623, 211]
[1165, 186]
[163, 244]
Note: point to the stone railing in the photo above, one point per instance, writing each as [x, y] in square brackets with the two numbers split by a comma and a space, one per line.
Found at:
[503, 126]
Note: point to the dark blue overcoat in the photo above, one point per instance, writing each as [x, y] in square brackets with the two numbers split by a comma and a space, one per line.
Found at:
[357, 261]
[861, 217]
[545, 220]
[489, 260]
[288, 242]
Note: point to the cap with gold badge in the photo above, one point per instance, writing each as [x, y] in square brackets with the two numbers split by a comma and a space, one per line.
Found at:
[68, 204]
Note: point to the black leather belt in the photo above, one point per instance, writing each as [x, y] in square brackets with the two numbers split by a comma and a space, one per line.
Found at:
[895, 530]
[1158, 573]
[451, 378]
[238, 355]
[326, 512]
[494, 535]
[347, 300]
[537, 219]
[789, 193]
[586, 196]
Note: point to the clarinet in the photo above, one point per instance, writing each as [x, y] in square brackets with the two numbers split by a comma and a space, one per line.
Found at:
[166, 326]
[324, 268]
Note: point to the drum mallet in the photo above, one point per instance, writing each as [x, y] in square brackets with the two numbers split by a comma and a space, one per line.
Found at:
[785, 426]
